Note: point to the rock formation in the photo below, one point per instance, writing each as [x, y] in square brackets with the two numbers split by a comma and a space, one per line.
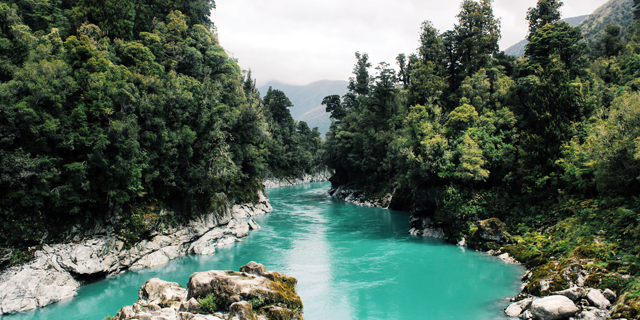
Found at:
[271, 182]
[573, 303]
[251, 294]
[58, 270]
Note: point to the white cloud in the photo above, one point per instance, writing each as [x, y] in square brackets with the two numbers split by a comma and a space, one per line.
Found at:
[301, 41]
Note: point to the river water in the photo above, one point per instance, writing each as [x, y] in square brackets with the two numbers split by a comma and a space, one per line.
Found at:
[351, 263]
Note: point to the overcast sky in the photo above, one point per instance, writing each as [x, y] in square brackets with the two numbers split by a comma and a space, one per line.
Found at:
[302, 41]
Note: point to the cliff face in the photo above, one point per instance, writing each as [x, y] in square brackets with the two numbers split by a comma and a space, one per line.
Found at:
[271, 182]
[58, 270]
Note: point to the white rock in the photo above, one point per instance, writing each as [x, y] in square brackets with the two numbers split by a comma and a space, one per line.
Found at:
[516, 308]
[154, 259]
[554, 307]
[597, 299]
[507, 258]
[592, 314]
[253, 225]
[48, 278]
[575, 293]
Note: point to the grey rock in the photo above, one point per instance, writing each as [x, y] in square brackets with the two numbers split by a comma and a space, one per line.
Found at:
[575, 293]
[610, 295]
[491, 229]
[554, 307]
[592, 314]
[516, 308]
[597, 299]
[50, 276]
[526, 315]
[271, 182]
[241, 311]
[159, 299]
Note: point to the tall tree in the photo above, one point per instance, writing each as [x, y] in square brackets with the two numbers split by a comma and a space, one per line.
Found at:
[546, 11]
[475, 36]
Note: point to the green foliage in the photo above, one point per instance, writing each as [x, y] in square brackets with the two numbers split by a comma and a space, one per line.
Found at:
[548, 144]
[545, 12]
[118, 106]
[607, 157]
[208, 303]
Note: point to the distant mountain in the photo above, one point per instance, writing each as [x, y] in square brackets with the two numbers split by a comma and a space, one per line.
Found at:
[618, 12]
[307, 100]
[518, 48]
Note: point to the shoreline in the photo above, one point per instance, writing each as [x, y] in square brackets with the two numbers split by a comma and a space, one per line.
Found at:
[271, 182]
[578, 301]
[58, 270]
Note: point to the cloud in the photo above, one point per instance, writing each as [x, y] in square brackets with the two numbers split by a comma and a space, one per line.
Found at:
[301, 41]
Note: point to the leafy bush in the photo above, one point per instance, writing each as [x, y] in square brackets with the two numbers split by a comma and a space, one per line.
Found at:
[208, 303]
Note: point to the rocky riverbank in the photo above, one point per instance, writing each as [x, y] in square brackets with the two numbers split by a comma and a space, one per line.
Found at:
[360, 198]
[542, 284]
[271, 182]
[253, 293]
[58, 270]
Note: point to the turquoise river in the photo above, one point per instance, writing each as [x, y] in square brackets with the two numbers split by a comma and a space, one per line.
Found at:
[351, 263]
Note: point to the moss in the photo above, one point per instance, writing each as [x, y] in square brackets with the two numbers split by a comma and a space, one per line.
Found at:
[277, 313]
[257, 303]
[209, 303]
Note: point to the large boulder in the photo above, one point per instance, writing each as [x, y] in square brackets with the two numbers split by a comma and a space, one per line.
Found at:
[554, 307]
[597, 299]
[253, 293]
[575, 293]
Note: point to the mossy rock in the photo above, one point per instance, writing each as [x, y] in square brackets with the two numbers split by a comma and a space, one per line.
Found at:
[491, 229]
[627, 309]
[278, 313]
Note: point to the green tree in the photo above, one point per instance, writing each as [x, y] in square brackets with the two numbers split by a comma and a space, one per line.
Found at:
[475, 36]
[610, 44]
[545, 12]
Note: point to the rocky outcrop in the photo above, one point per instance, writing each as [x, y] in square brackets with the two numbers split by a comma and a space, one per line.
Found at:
[58, 270]
[253, 293]
[553, 308]
[491, 229]
[360, 198]
[573, 303]
[271, 182]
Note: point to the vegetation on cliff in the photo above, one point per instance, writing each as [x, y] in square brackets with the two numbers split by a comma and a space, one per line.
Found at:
[548, 143]
[112, 110]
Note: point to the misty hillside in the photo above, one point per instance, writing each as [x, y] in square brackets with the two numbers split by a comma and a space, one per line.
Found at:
[518, 48]
[307, 100]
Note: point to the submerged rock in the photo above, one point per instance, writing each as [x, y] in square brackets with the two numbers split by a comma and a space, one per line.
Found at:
[252, 293]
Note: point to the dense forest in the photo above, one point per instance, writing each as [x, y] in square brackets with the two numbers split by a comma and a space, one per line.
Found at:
[112, 110]
[549, 143]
